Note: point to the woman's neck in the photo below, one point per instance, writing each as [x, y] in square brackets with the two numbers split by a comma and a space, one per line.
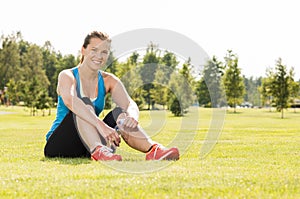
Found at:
[87, 73]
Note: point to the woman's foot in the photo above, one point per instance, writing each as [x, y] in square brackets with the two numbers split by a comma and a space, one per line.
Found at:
[103, 153]
[158, 152]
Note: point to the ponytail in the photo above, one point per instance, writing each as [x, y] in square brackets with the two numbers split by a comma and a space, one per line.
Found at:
[81, 59]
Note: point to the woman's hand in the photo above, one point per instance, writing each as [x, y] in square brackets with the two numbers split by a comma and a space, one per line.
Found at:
[126, 121]
[130, 122]
[110, 135]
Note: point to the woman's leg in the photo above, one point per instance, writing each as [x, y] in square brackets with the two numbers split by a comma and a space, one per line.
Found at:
[135, 138]
[74, 137]
[65, 141]
[139, 140]
[92, 140]
[87, 132]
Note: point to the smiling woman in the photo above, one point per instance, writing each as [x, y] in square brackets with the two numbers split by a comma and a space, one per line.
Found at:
[101, 49]
[77, 130]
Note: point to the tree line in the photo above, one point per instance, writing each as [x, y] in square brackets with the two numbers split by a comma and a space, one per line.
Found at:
[222, 84]
[28, 74]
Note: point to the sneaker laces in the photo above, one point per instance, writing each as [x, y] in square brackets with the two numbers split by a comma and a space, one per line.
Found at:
[106, 151]
[162, 148]
[158, 146]
[155, 150]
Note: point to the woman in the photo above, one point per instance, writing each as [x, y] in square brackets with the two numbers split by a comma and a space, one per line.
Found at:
[77, 130]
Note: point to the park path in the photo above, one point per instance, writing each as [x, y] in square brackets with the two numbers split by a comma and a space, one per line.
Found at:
[4, 112]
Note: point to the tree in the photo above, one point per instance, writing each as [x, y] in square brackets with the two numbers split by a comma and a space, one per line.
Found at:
[233, 81]
[63, 62]
[112, 66]
[130, 77]
[50, 65]
[265, 91]
[279, 86]
[35, 79]
[14, 91]
[175, 107]
[252, 92]
[169, 63]
[44, 102]
[294, 88]
[147, 71]
[9, 60]
[182, 92]
[188, 83]
[202, 93]
[160, 92]
[208, 88]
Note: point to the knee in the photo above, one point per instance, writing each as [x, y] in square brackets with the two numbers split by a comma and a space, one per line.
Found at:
[118, 114]
[88, 103]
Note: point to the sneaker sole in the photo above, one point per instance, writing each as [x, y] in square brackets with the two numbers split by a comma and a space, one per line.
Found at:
[172, 155]
[106, 160]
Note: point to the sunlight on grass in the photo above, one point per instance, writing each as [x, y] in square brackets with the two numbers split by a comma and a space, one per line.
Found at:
[256, 156]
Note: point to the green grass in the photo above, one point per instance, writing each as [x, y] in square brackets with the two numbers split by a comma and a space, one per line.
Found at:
[257, 156]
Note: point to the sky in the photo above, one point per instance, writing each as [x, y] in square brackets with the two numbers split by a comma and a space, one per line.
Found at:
[258, 31]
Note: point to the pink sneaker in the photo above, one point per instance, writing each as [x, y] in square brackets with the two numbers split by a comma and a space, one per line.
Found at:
[103, 153]
[160, 153]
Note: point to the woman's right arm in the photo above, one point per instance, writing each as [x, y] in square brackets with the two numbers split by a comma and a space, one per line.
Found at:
[66, 88]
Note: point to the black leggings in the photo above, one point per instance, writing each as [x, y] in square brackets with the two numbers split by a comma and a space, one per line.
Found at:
[65, 140]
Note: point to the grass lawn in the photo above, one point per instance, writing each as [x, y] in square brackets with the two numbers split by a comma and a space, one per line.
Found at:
[257, 156]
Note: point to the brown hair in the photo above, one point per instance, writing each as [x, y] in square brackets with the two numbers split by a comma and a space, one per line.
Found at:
[95, 34]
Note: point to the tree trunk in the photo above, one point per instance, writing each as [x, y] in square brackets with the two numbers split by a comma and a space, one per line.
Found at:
[234, 105]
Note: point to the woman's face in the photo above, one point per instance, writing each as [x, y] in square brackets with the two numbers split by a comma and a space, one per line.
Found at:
[96, 53]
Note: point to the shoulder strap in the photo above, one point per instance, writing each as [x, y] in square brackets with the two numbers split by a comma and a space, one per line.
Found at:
[76, 75]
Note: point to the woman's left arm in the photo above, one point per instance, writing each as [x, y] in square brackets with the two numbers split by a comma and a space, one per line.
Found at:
[123, 100]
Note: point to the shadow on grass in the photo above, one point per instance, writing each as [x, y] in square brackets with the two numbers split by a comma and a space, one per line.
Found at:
[130, 165]
[68, 161]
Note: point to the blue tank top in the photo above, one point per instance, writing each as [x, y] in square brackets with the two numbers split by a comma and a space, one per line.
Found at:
[62, 109]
